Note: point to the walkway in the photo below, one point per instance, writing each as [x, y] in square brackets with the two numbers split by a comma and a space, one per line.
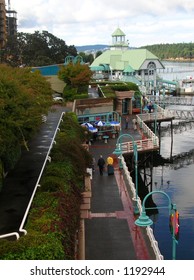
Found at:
[172, 100]
[20, 182]
[110, 232]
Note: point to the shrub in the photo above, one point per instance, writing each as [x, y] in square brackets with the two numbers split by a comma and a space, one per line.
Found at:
[54, 217]
[34, 246]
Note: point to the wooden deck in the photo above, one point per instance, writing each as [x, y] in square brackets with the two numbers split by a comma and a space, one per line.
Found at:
[149, 141]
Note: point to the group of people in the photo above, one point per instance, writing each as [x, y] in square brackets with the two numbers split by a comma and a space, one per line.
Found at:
[102, 163]
[134, 122]
[150, 107]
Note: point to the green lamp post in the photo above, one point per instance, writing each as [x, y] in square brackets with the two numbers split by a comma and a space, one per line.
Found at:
[140, 94]
[118, 152]
[163, 96]
[155, 121]
[144, 220]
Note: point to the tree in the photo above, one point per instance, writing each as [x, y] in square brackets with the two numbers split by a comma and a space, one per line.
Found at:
[75, 75]
[172, 51]
[36, 49]
[24, 98]
[87, 58]
[98, 53]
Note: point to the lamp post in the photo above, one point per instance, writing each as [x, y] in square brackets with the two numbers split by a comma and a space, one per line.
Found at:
[155, 121]
[140, 93]
[118, 152]
[163, 96]
[144, 220]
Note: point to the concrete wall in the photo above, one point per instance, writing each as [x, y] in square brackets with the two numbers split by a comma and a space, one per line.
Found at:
[93, 106]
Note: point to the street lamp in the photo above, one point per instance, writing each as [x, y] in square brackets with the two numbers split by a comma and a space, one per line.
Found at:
[118, 152]
[163, 96]
[155, 121]
[144, 220]
[141, 101]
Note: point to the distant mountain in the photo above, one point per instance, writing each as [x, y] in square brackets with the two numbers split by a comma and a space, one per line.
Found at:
[91, 48]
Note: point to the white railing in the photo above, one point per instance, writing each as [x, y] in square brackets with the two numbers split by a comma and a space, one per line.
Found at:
[182, 114]
[142, 145]
[150, 140]
[158, 114]
[47, 158]
[149, 230]
[173, 100]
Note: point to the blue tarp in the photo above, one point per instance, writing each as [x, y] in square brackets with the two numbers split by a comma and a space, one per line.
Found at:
[50, 70]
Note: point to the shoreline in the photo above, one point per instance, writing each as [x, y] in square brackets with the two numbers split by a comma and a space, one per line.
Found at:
[179, 59]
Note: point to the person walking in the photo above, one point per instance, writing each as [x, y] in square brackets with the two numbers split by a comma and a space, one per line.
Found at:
[134, 121]
[101, 163]
[126, 122]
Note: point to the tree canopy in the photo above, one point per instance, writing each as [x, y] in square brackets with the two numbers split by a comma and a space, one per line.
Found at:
[77, 77]
[36, 49]
[172, 51]
[87, 58]
[24, 98]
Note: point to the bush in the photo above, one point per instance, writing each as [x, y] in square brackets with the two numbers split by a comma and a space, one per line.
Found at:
[55, 214]
[127, 87]
[34, 246]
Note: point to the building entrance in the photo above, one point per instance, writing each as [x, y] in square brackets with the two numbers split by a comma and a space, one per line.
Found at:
[125, 106]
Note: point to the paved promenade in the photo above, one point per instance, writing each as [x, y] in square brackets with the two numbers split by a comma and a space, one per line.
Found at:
[110, 232]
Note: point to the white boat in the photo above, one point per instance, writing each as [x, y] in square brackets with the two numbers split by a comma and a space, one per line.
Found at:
[187, 85]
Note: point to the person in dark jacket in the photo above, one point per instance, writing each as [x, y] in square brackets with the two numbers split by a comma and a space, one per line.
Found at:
[126, 122]
[101, 164]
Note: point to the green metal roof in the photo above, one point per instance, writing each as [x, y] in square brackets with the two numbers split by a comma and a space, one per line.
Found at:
[105, 67]
[169, 82]
[119, 60]
[129, 69]
[131, 79]
[96, 68]
[118, 32]
[101, 67]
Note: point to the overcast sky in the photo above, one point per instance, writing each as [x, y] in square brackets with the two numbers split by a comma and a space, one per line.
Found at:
[89, 22]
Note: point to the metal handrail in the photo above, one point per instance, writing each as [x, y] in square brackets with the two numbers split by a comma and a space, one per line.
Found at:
[47, 158]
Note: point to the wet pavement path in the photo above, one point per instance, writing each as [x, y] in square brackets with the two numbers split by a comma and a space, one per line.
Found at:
[20, 182]
[110, 230]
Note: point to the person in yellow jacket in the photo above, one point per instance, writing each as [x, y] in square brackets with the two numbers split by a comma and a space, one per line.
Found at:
[110, 168]
[109, 160]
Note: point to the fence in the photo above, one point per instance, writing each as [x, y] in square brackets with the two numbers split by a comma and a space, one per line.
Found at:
[149, 231]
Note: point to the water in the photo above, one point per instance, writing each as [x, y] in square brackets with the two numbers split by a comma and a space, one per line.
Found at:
[176, 71]
[176, 179]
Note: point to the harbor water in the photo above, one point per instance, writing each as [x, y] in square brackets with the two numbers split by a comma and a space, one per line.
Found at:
[176, 71]
[177, 180]
[176, 177]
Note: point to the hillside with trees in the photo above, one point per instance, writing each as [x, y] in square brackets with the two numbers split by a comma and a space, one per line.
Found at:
[182, 51]
[43, 48]
[36, 49]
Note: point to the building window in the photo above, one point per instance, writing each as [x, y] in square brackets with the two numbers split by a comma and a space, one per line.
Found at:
[151, 65]
[151, 72]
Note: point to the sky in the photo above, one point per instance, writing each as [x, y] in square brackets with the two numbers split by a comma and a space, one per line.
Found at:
[90, 22]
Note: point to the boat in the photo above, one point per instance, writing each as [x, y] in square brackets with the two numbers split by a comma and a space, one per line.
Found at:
[187, 85]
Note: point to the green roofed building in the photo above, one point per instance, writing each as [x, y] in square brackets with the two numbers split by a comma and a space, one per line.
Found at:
[129, 65]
